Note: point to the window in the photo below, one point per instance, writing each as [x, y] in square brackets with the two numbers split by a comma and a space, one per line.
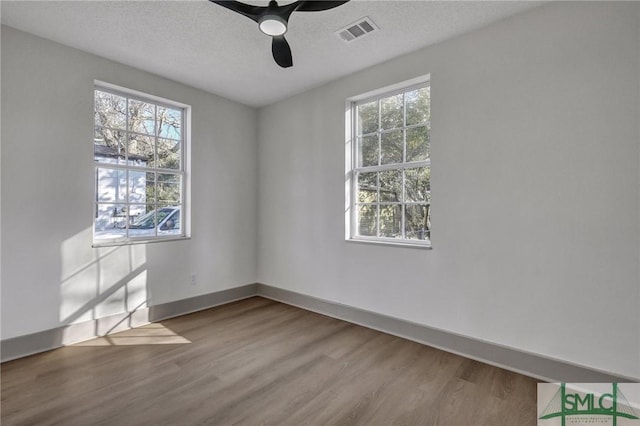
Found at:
[390, 190]
[139, 158]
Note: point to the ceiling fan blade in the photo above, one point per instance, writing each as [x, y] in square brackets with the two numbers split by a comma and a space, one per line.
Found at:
[281, 52]
[317, 6]
[252, 12]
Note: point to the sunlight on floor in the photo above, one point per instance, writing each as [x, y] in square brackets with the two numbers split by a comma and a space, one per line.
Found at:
[151, 334]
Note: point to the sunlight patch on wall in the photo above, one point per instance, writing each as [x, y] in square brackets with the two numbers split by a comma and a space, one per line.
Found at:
[98, 282]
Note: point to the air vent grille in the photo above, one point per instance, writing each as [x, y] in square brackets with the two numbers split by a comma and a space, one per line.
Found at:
[358, 29]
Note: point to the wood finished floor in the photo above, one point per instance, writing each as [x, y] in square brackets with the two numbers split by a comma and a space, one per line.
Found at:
[260, 362]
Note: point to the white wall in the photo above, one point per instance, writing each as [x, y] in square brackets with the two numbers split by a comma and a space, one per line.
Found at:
[535, 185]
[536, 181]
[50, 274]
[638, 187]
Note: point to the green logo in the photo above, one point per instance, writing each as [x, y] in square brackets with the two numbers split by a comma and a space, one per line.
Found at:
[566, 403]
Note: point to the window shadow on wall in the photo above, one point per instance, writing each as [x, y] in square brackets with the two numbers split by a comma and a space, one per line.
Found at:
[107, 283]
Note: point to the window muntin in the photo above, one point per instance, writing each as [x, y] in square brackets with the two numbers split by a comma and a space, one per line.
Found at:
[391, 170]
[139, 147]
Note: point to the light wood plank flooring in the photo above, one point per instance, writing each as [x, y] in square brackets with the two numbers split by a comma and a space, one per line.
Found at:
[260, 362]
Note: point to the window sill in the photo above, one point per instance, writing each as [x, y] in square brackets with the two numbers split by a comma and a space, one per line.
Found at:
[423, 246]
[140, 241]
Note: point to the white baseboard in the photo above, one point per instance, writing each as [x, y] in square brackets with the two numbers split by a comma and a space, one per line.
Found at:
[530, 364]
[21, 346]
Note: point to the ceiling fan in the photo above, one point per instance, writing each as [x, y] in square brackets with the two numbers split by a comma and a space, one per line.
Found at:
[273, 20]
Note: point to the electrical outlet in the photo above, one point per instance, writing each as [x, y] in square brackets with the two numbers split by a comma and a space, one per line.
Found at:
[193, 279]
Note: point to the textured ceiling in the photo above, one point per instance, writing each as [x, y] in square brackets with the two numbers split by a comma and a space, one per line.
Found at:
[209, 47]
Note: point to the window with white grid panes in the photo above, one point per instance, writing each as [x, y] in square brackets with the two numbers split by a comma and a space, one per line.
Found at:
[139, 161]
[391, 170]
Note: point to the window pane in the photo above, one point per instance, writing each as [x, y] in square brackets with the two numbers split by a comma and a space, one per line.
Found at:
[391, 145]
[391, 185]
[168, 154]
[168, 188]
[110, 221]
[391, 110]
[169, 122]
[135, 211]
[418, 106]
[367, 187]
[108, 146]
[144, 225]
[417, 222]
[417, 184]
[151, 188]
[110, 110]
[367, 223]
[138, 187]
[111, 185]
[368, 151]
[141, 151]
[390, 221]
[417, 143]
[169, 220]
[142, 117]
[368, 118]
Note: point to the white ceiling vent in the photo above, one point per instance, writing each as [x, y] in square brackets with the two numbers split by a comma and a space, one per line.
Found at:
[358, 29]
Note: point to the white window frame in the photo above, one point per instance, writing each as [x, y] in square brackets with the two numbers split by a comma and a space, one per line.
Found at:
[183, 172]
[352, 168]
